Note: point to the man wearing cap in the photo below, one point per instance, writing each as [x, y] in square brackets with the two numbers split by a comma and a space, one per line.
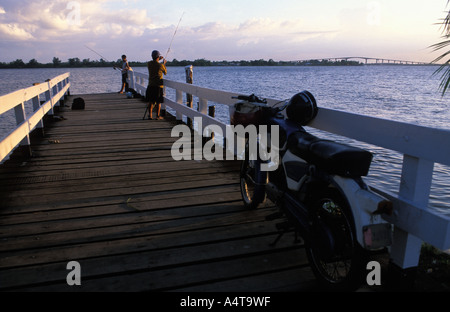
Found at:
[154, 94]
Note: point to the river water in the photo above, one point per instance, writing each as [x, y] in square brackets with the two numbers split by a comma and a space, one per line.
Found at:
[404, 93]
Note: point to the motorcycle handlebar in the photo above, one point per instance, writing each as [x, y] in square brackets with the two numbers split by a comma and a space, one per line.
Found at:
[250, 98]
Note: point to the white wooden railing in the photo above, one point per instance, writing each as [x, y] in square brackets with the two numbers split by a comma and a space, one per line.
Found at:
[421, 147]
[51, 91]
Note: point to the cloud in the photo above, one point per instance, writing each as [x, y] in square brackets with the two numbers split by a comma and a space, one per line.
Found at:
[14, 32]
[44, 20]
[38, 28]
[255, 37]
[64, 27]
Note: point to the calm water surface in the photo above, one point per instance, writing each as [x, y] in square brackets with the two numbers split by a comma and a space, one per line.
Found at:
[404, 93]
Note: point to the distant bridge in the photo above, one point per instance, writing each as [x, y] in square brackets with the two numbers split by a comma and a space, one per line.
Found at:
[368, 60]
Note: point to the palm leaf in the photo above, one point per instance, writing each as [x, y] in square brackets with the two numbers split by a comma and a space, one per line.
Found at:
[445, 67]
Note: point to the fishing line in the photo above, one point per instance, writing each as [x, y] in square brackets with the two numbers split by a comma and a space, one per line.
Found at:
[176, 29]
[100, 55]
[97, 53]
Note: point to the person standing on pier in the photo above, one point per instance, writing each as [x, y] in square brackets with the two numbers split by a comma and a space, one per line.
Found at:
[154, 94]
[125, 68]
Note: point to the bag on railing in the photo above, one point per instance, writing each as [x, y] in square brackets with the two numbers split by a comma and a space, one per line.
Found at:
[244, 113]
[78, 103]
[248, 111]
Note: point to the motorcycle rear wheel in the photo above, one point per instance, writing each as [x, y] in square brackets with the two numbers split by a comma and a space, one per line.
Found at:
[252, 183]
[334, 254]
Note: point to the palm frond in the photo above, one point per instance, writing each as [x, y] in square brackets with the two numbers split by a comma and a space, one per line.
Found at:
[445, 79]
[440, 45]
[446, 23]
[439, 58]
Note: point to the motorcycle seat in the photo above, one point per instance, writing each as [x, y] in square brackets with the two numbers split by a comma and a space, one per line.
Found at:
[334, 157]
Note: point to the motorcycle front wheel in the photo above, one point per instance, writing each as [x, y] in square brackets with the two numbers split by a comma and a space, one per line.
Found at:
[252, 183]
[335, 256]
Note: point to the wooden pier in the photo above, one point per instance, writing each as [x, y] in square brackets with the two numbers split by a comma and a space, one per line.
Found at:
[102, 189]
[101, 202]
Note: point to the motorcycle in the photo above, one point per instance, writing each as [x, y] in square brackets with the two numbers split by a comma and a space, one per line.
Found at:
[317, 186]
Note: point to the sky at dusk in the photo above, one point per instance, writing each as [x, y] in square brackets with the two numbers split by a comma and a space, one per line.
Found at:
[281, 30]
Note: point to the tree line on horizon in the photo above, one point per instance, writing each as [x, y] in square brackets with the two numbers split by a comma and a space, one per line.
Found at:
[77, 63]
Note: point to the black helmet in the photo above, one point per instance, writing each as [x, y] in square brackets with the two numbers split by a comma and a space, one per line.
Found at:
[302, 108]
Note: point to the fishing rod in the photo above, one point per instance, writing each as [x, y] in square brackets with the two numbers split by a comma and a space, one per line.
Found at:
[100, 55]
[176, 29]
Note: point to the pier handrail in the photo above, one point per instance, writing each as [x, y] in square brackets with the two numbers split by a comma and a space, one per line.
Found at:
[420, 146]
[53, 90]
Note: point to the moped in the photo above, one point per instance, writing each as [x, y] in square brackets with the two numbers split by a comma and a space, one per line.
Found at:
[318, 186]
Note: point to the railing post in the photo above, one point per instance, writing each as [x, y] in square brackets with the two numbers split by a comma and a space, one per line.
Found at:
[54, 93]
[60, 86]
[211, 113]
[68, 90]
[163, 106]
[179, 100]
[140, 82]
[49, 97]
[203, 109]
[36, 106]
[189, 102]
[64, 84]
[25, 144]
[415, 187]
[203, 106]
[131, 82]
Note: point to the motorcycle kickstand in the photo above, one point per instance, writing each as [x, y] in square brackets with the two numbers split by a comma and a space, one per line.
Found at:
[282, 229]
[274, 243]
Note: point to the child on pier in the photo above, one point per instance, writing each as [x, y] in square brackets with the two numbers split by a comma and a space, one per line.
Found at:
[154, 94]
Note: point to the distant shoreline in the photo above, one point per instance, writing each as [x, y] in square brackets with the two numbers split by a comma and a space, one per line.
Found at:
[215, 65]
[86, 63]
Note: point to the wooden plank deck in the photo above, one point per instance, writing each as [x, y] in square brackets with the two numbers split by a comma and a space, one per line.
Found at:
[103, 190]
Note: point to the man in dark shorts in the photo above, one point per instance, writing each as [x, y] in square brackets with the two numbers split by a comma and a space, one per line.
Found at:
[125, 68]
[154, 94]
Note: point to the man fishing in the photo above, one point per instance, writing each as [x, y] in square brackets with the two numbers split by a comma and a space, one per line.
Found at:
[156, 70]
[125, 68]
[154, 93]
